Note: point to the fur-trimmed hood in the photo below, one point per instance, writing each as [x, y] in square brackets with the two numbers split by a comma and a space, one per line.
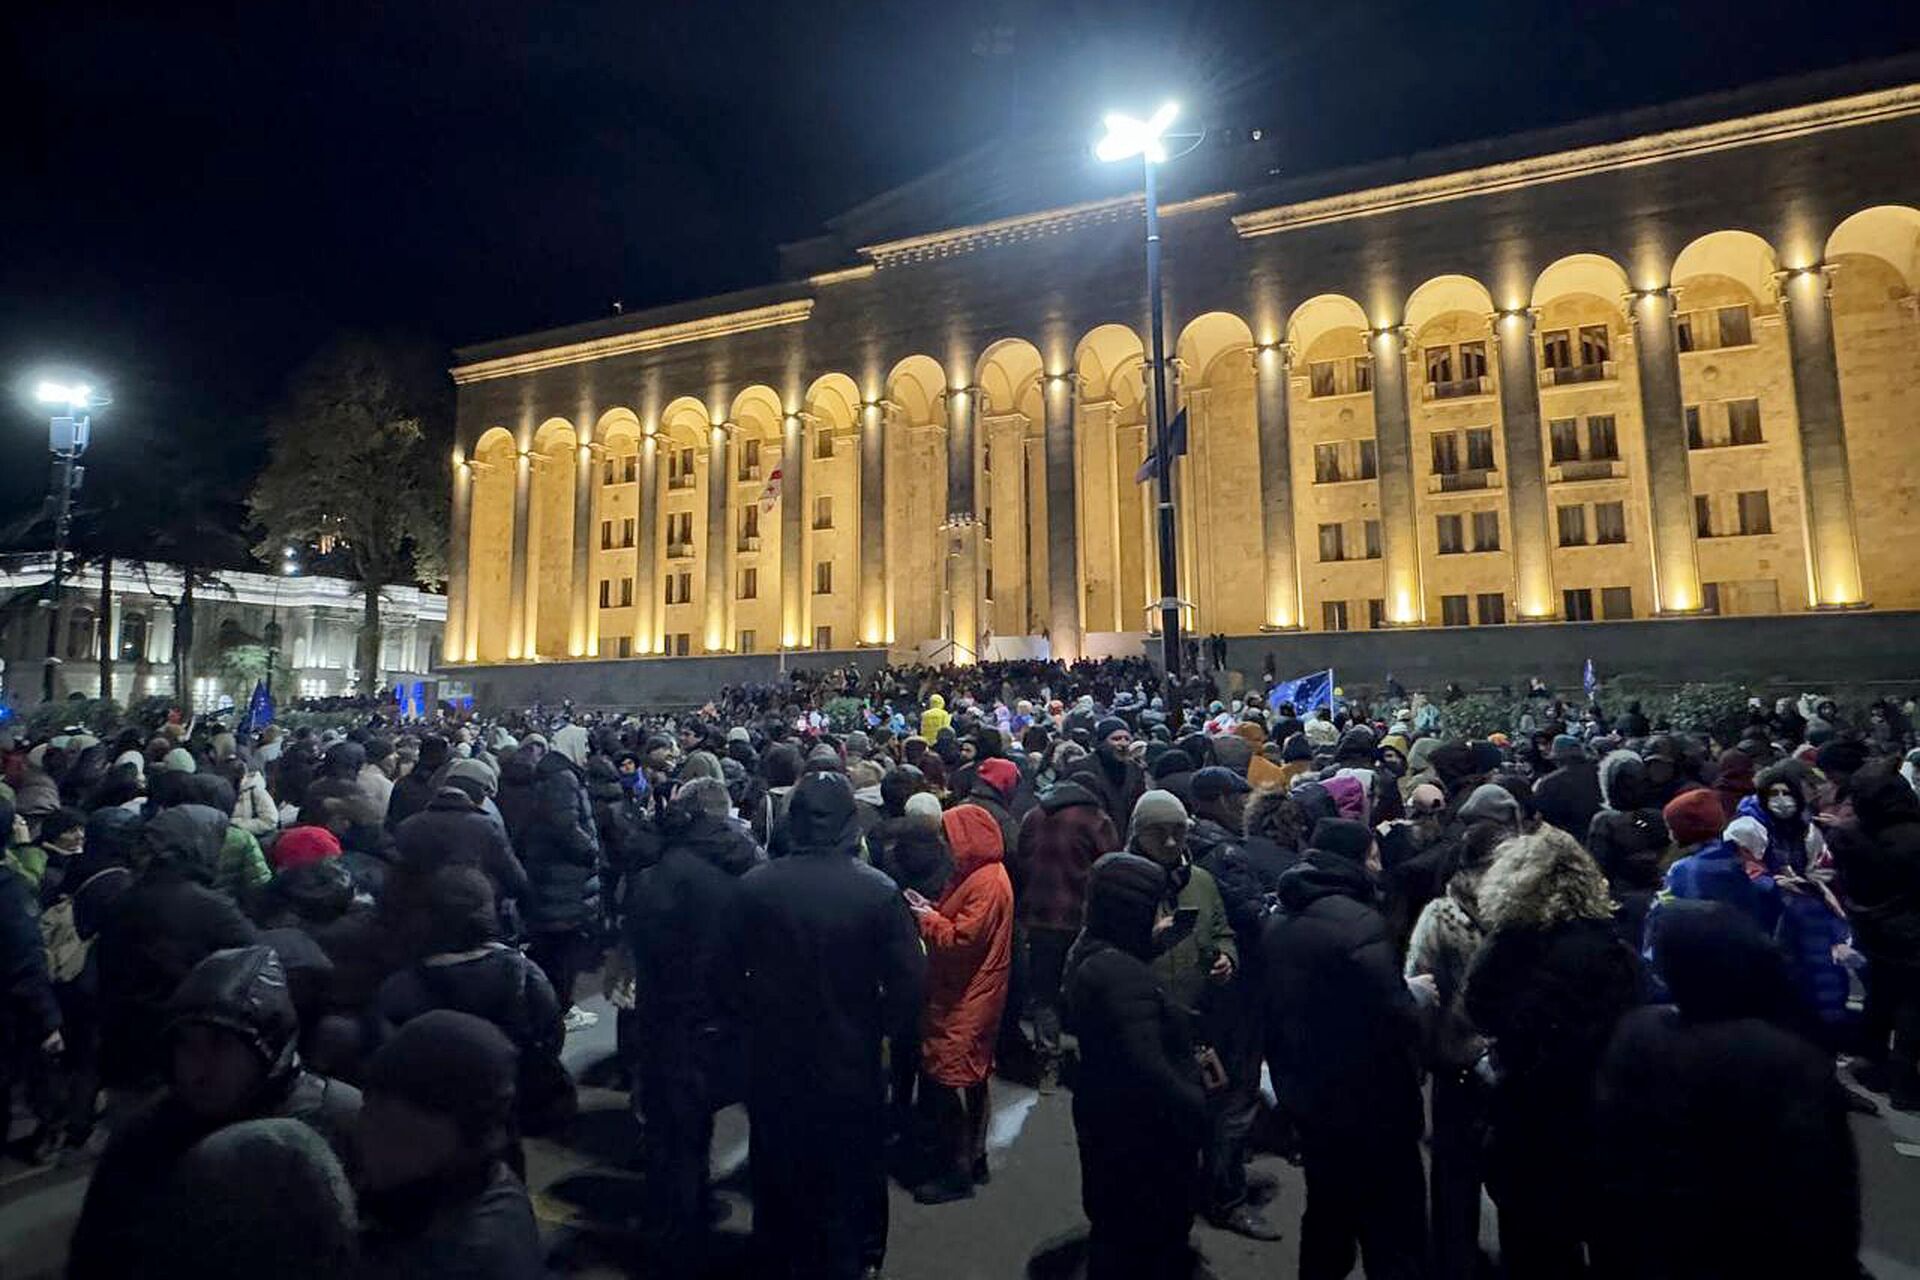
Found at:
[1262, 807]
[1540, 880]
[1617, 767]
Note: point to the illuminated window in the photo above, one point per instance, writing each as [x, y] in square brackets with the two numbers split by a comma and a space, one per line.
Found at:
[133, 637]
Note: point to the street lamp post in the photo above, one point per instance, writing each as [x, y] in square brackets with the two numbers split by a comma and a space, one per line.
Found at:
[289, 568]
[67, 438]
[1128, 137]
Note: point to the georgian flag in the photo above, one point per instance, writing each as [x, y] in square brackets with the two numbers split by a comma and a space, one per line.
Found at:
[770, 494]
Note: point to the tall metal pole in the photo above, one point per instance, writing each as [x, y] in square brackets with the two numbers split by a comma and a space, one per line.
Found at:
[63, 510]
[1163, 476]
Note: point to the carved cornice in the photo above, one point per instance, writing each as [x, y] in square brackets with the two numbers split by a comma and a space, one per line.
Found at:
[1027, 226]
[620, 344]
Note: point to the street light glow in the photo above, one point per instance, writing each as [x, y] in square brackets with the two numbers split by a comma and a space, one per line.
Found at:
[1127, 136]
[76, 396]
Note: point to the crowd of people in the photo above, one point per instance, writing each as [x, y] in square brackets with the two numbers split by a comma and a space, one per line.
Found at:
[1606, 971]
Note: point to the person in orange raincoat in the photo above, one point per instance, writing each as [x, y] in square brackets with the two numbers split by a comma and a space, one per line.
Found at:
[969, 937]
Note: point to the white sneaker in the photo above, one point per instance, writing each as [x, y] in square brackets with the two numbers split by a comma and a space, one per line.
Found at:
[579, 1019]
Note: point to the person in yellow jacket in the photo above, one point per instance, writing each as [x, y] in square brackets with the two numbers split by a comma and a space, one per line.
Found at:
[935, 718]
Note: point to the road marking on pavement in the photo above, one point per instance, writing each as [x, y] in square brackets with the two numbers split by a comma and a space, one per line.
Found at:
[1010, 1117]
[1908, 1148]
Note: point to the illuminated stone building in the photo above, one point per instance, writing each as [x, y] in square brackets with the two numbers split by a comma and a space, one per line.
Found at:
[1664, 364]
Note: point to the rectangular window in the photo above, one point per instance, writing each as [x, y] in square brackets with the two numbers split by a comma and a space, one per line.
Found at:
[1320, 378]
[682, 644]
[606, 593]
[823, 512]
[1696, 435]
[1451, 535]
[1616, 603]
[1577, 604]
[1376, 614]
[823, 578]
[987, 587]
[1556, 348]
[1332, 543]
[1736, 326]
[626, 593]
[1369, 460]
[624, 647]
[629, 468]
[1702, 516]
[750, 460]
[680, 469]
[1439, 364]
[1489, 608]
[1755, 516]
[1333, 615]
[823, 637]
[1473, 360]
[1363, 373]
[1480, 449]
[1486, 531]
[606, 535]
[1603, 443]
[1326, 463]
[679, 588]
[1683, 330]
[679, 529]
[743, 642]
[1743, 418]
[1573, 526]
[1563, 439]
[749, 584]
[1453, 611]
[749, 526]
[1594, 347]
[1446, 453]
[1609, 523]
[1372, 530]
[627, 528]
[823, 445]
[1710, 597]
[606, 472]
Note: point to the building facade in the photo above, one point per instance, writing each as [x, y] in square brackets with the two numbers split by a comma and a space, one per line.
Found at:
[1661, 365]
[318, 620]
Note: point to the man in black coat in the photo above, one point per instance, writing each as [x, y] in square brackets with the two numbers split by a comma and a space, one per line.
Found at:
[1879, 862]
[560, 846]
[453, 830]
[831, 963]
[682, 922]
[1570, 795]
[1342, 1033]
[1139, 1114]
[1109, 774]
[415, 791]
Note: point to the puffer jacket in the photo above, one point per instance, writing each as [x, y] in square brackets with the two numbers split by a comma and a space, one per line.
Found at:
[969, 939]
[1879, 864]
[255, 811]
[560, 847]
[1060, 838]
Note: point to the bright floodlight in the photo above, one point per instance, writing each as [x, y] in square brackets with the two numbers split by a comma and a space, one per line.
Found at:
[77, 396]
[1129, 137]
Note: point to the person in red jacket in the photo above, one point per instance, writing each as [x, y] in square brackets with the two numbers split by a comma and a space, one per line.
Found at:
[969, 937]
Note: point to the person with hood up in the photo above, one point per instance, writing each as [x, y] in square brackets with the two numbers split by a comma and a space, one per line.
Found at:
[167, 921]
[1569, 796]
[1684, 1139]
[1733, 782]
[254, 811]
[969, 939]
[831, 964]
[1059, 840]
[1878, 858]
[1139, 1112]
[1628, 838]
[560, 847]
[415, 791]
[1276, 836]
[996, 781]
[935, 718]
[230, 1037]
[438, 1200]
[1781, 802]
[682, 922]
[514, 787]
[1110, 773]
[1547, 987]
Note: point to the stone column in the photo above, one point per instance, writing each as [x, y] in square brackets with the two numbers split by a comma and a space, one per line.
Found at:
[521, 615]
[1832, 552]
[580, 623]
[794, 582]
[1676, 570]
[1061, 394]
[1526, 478]
[1393, 434]
[961, 529]
[650, 499]
[876, 628]
[459, 640]
[1273, 411]
[719, 534]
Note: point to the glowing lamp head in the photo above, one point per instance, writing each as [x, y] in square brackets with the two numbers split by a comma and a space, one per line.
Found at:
[75, 396]
[1128, 137]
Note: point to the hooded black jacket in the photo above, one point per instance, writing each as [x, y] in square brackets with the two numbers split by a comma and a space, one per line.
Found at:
[560, 847]
[1342, 1032]
[242, 990]
[1879, 863]
[829, 956]
[683, 917]
[453, 831]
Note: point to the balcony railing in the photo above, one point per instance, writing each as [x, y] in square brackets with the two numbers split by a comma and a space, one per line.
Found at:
[749, 473]
[750, 544]
[1459, 388]
[680, 482]
[1569, 374]
[679, 551]
[1576, 469]
[1463, 481]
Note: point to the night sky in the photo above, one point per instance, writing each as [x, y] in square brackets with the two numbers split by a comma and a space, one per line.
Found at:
[197, 197]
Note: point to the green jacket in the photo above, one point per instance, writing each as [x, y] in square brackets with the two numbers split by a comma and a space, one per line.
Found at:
[30, 860]
[243, 868]
[1184, 965]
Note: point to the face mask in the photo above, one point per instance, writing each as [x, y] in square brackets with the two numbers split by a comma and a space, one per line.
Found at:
[1783, 806]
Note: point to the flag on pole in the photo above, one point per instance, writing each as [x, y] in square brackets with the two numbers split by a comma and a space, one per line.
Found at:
[1176, 448]
[1588, 680]
[259, 708]
[770, 494]
[1305, 692]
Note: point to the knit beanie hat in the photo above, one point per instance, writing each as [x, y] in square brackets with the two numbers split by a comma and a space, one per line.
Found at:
[449, 1063]
[1566, 747]
[1694, 817]
[298, 846]
[1296, 748]
[1001, 774]
[923, 806]
[1342, 838]
[1233, 752]
[1108, 726]
[1491, 802]
[179, 760]
[1841, 756]
[1156, 808]
[1349, 797]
